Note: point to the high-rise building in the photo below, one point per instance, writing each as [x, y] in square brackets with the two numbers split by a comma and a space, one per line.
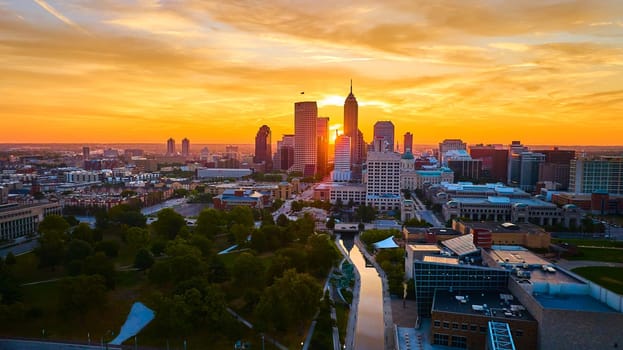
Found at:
[383, 180]
[86, 153]
[322, 130]
[597, 175]
[305, 139]
[351, 128]
[170, 147]
[384, 135]
[408, 142]
[494, 161]
[342, 162]
[556, 166]
[263, 150]
[514, 162]
[284, 157]
[529, 170]
[205, 154]
[185, 147]
[450, 145]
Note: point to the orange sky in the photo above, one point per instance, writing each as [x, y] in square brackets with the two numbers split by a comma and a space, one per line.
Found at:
[539, 71]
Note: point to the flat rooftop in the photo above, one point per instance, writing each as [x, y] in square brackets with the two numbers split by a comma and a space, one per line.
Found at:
[499, 305]
[500, 227]
[501, 200]
[517, 257]
[425, 247]
[572, 302]
[441, 259]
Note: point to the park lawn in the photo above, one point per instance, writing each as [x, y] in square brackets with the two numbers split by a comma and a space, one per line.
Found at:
[608, 277]
[590, 242]
[26, 269]
[599, 254]
[342, 319]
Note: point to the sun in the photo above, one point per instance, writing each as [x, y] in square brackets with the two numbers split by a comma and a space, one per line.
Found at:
[334, 131]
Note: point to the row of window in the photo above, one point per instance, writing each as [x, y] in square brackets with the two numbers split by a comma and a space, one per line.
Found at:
[474, 328]
[445, 339]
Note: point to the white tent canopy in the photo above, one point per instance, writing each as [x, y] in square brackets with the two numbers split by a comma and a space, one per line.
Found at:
[386, 243]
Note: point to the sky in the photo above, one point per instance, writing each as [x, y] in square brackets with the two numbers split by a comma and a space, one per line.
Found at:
[485, 71]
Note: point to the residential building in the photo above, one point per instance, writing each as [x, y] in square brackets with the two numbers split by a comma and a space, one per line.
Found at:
[170, 147]
[185, 147]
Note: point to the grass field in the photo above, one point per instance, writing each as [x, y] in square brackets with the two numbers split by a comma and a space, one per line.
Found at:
[591, 242]
[599, 254]
[608, 277]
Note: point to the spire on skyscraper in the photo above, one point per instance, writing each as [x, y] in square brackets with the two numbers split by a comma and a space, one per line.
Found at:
[351, 86]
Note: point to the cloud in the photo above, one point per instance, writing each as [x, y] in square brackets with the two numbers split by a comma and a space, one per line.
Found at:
[54, 12]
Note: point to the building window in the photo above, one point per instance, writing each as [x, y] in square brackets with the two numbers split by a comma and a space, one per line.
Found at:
[464, 326]
[455, 325]
[437, 323]
[473, 327]
[483, 329]
[519, 333]
[440, 339]
[446, 325]
[459, 342]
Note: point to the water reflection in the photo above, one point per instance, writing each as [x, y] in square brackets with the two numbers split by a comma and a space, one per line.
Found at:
[370, 330]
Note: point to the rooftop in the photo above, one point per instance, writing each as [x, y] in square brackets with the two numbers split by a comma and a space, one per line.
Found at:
[495, 305]
[497, 227]
[461, 245]
[572, 302]
[441, 259]
[503, 200]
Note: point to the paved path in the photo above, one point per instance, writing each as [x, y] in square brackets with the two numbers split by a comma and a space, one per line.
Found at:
[250, 326]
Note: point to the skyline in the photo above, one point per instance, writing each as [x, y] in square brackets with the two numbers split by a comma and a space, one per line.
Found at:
[484, 71]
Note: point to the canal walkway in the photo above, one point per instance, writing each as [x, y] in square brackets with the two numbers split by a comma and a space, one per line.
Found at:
[349, 341]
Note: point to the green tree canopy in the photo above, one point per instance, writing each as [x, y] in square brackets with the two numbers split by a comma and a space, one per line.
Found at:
[169, 223]
[211, 222]
[81, 294]
[143, 259]
[137, 237]
[53, 224]
[83, 232]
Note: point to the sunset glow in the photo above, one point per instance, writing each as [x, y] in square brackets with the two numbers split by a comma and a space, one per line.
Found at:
[543, 72]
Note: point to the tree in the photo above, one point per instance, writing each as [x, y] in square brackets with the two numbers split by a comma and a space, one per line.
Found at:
[127, 214]
[282, 220]
[240, 233]
[365, 213]
[99, 264]
[108, 247]
[10, 259]
[137, 237]
[210, 222]
[241, 215]
[321, 254]
[81, 294]
[51, 250]
[53, 224]
[278, 309]
[248, 272]
[78, 249]
[331, 223]
[143, 259]
[169, 223]
[83, 232]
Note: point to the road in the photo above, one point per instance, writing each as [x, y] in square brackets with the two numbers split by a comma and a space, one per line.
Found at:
[424, 214]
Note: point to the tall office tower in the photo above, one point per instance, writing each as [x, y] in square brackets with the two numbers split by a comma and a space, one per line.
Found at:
[384, 131]
[449, 145]
[322, 132]
[408, 142]
[284, 157]
[185, 147]
[86, 153]
[205, 154]
[342, 162]
[170, 147]
[529, 170]
[514, 162]
[556, 166]
[351, 128]
[603, 175]
[383, 180]
[305, 145]
[263, 150]
[494, 161]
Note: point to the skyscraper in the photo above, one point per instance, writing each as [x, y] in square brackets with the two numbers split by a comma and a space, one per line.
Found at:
[170, 147]
[384, 135]
[322, 129]
[514, 162]
[263, 150]
[351, 117]
[86, 153]
[305, 142]
[603, 174]
[284, 157]
[342, 163]
[408, 142]
[185, 147]
[529, 169]
[494, 161]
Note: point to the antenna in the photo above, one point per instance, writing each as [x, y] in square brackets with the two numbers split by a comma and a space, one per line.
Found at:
[351, 86]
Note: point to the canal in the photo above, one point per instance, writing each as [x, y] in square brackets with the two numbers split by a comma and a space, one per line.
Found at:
[370, 329]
